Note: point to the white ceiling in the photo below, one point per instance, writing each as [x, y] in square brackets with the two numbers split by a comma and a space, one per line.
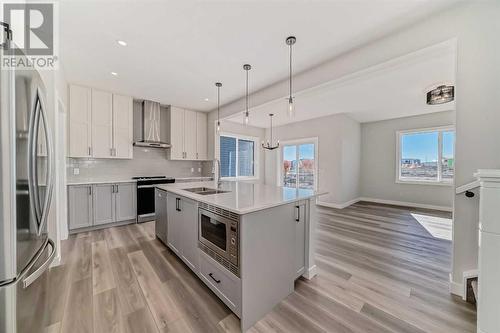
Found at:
[178, 49]
[394, 89]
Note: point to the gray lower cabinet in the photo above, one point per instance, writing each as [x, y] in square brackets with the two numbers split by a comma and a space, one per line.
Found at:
[125, 201]
[96, 205]
[104, 204]
[80, 206]
[182, 234]
[161, 217]
[300, 238]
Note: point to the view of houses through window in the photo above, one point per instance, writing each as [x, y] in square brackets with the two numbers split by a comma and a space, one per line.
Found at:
[237, 156]
[299, 165]
[427, 155]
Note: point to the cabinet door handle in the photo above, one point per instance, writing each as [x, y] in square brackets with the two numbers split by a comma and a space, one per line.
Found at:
[89, 150]
[178, 204]
[196, 155]
[90, 190]
[297, 217]
[212, 276]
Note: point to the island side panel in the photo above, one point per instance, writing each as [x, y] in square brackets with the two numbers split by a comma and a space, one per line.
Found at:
[311, 223]
[267, 254]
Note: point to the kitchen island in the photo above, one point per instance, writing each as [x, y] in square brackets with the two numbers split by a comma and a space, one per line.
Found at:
[247, 242]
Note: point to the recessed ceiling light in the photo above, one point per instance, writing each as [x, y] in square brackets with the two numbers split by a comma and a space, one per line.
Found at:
[122, 42]
[114, 73]
[206, 99]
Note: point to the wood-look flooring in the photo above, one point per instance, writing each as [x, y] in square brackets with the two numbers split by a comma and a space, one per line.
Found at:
[379, 271]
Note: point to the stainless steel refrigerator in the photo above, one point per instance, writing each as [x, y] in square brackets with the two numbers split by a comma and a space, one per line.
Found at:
[26, 183]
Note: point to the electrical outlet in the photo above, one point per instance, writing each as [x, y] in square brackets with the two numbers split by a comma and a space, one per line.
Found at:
[199, 169]
[76, 171]
[192, 170]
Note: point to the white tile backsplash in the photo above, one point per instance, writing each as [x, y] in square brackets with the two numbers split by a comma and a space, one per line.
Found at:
[146, 162]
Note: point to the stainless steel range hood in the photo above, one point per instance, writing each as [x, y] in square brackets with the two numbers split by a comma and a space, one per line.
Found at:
[151, 126]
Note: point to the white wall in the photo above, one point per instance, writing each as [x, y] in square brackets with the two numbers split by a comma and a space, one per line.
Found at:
[378, 162]
[339, 154]
[475, 25]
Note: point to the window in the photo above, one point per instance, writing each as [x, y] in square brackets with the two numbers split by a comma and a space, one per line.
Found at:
[426, 156]
[298, 164]
[237, 156]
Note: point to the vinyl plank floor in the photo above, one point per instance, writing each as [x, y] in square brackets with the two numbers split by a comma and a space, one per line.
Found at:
[379, 270]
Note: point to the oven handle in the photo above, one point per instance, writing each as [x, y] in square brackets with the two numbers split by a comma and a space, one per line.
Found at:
[145, 186]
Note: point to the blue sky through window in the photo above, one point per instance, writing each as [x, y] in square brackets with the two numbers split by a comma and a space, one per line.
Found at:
[424, 146]
[306, 151]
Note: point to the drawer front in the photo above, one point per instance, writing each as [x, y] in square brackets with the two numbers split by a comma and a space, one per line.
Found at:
[225, 284]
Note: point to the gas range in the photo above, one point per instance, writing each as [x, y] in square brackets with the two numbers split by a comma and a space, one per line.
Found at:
[146, 195]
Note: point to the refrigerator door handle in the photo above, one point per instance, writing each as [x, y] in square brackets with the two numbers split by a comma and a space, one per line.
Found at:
[28, 280]
[32, 138]
[50, 165]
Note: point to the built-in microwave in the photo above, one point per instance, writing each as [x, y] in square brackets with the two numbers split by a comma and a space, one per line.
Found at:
[218, 235]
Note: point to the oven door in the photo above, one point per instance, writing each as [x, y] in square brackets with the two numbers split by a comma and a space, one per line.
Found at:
[214, 232]
[145, 203]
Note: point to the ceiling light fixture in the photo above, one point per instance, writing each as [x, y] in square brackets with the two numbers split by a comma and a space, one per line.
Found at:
[440, 95]
[218, 85]
[269, 145]
[247, 68]
[290, 41]
[114, 73]
[121, 42]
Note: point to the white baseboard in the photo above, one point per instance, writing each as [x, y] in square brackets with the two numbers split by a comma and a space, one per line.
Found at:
[406, 204]
[337, 206]
[311, 272]
[457, 288]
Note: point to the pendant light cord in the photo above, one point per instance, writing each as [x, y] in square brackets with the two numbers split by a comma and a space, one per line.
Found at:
[290, 71]
[218, 104]
[271, 130]
[246, 114]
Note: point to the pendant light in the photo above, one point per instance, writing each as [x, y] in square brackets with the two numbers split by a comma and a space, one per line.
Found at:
[269, 145]
[218, 85]
[247, 67]
[290, 41]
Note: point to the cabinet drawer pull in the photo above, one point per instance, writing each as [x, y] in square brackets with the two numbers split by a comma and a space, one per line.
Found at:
[178, 204]
[212, 276]
[297, 217]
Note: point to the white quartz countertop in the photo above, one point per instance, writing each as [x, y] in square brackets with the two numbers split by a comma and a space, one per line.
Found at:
[114, 180]
[88, 181]
[243, 197]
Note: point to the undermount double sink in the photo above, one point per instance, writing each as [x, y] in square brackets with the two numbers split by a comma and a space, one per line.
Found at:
[205, 190]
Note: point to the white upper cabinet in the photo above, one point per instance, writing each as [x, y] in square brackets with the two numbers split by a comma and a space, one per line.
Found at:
[176, 133]
[80, 144]
[201, 136]
[122, 126]
[100, 124]
[188, 134]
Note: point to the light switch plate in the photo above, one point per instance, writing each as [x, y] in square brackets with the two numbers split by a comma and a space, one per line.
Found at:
[192, 170]
[76, 171]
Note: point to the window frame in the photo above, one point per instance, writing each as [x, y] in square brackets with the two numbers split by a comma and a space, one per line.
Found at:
[298, 142]
[255, 154]
[440, 130]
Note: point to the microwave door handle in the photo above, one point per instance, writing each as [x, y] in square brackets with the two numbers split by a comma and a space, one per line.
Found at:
[49, 168]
